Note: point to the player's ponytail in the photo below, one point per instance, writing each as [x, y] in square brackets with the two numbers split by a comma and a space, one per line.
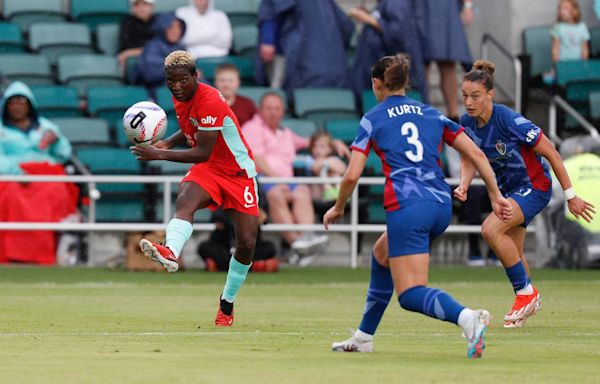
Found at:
[393, 71]
[482, 72]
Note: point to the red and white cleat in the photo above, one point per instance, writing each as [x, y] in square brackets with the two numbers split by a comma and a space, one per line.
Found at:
[222, 319]
[523, 307]
[160, 254]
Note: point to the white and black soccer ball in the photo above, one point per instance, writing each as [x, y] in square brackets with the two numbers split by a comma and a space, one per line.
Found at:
[145, 123]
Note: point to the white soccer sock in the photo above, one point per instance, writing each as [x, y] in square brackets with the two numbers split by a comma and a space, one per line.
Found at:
[527, 290]
[465, 321]
[362, 336]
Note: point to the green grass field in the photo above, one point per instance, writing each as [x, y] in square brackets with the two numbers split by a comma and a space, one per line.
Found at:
[99, 326]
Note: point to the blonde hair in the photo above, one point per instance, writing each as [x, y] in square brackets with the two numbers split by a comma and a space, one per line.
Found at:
[180, 59]
[482, 72]
[576, 8]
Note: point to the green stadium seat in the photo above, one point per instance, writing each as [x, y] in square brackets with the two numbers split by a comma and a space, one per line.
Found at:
[575, 70]
[595, 105]
[163, 98]
[163, 6]
[111, 102]
[84, 131]
[537, 44]
[30, 68]
[301, 127]
[245, 40]
[87, 70]
[57, 100]
[55, 39]
[11, 39]
[375, 211]
[256, 93]
[25, 13]
[321, 104]
[369, 100]
[94, 13]
[245, 66]
[345, 129]
[111, 210]
[130, 64]
[595, 42]
[107, 38]
[240, 12]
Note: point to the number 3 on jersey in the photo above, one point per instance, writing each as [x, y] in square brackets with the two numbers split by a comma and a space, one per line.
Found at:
[412, 132]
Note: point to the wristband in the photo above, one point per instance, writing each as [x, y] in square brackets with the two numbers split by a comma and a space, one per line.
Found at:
[569, 193]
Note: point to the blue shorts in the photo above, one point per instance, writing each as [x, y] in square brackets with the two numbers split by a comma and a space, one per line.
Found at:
[531, 201]
[412, 228]
[264, 188]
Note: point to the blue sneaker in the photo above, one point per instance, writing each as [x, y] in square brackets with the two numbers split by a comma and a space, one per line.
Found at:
[476, 340]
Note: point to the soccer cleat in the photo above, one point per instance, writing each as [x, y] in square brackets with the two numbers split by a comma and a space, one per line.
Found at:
[222, 319]
[353, 344]
[476, 341]
[523, 307]
[159, 254]
[309, 244]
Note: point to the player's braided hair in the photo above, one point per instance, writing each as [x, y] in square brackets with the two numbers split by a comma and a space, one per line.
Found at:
[393, 71]
[180, 59]
[482, 72]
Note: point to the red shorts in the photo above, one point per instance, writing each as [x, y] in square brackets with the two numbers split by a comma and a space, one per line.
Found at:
[227, 192]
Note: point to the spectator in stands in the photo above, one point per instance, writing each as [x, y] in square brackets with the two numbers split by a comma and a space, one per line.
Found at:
[150, 70]
[31, 144]
[135, 30]
[227, 81]
[208, 33]
[323, 162]
[388, 30]
[444, 41]
[274, 148]
[311, 35]
[570, 36]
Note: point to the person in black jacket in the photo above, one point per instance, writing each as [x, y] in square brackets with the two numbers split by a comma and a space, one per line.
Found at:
[135, 30]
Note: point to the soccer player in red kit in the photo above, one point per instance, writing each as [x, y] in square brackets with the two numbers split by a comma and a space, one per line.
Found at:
[223, 175]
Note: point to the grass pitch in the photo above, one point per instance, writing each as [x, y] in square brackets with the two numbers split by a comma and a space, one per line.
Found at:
[99, 326]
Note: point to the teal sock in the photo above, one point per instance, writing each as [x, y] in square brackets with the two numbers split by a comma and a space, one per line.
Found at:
[178, 232]
[235, 278]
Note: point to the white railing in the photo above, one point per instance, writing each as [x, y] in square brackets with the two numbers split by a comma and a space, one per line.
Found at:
[517, 96]
[559, 102]
[353, 228]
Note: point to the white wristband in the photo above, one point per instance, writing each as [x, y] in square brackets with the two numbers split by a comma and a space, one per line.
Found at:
[569, 193]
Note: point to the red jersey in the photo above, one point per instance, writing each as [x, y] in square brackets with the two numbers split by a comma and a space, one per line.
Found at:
[207, 110]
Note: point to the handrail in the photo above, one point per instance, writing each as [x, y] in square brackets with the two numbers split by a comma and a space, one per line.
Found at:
[93, 191]
[354, 228]
[517, 66]
[558, 101]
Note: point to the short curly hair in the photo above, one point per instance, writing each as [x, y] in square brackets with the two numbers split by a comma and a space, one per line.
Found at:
[180, 59]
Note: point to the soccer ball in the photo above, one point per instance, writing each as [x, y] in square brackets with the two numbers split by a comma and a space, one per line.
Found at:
[145, 123]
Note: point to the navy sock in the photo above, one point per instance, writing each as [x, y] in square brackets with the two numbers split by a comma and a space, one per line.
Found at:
[379, 294]
[517, 276]
[432, 302]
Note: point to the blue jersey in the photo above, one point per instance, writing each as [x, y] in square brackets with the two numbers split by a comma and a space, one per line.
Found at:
[407, 136]
[508, 140]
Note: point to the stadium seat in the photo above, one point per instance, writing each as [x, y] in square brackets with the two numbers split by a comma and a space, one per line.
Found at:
[344, 129]
[595, 42]
[244, 65]
[574, 70]
[163, 98]
[594, 100]
[240, 12]
[301, 127]
[321, 104]
[27, 12]
[57, 100]
[369, 100]
[29, 68]
[130, 64]
[84, 131]
[162, 6]
[93, 13]
[85, 70]
[107, 38]
[55, 39]
[256, 93]
[537, 44]
[11, 39]
[245, 40]
[111, 102]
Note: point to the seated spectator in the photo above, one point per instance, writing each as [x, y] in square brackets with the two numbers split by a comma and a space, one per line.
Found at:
[322, 162]
[227, 81]
[150, 69]
[135, 30]
[31, 144]
[274, 148]
[570, 36]
[208, 33]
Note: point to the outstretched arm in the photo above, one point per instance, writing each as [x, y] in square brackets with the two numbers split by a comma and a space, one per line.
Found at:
[577, 206]
[206, 141]
[464, 145]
